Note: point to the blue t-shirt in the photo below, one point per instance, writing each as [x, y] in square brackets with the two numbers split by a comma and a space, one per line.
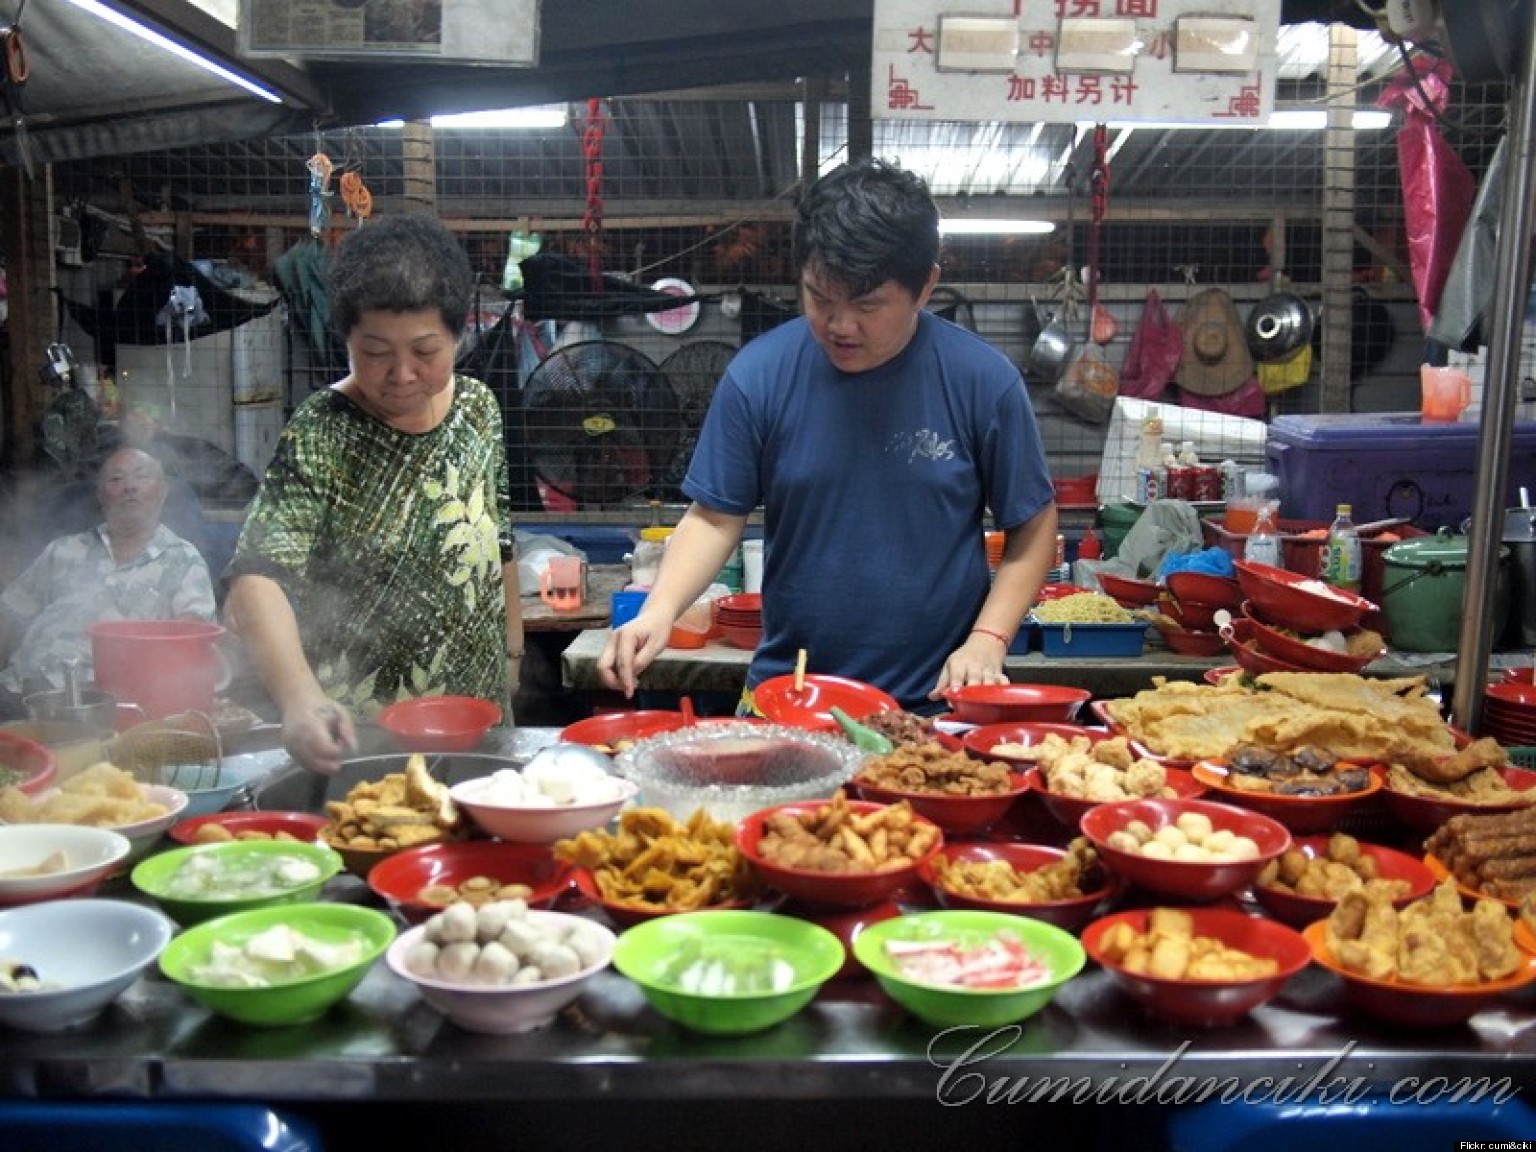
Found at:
[874, 487]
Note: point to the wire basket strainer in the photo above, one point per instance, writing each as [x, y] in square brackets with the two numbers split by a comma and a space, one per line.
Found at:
[182, 751]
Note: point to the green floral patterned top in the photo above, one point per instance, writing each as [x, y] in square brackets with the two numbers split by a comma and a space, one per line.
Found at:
[389, 546]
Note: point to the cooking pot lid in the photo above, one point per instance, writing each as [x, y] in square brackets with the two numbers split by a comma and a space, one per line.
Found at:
[1278, 327]
[1442, 549]
[1519, 525]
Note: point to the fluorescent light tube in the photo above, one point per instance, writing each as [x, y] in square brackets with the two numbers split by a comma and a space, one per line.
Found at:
[983, 227]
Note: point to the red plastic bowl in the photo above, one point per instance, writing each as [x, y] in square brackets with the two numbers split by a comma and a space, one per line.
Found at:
[1005, 703]
[1126, 592]
[439, 723]
[951, 813]
[833, 889]
[1299, 911]
[1304, 603]
[34, 764]
[1185, 879]
[1244, 646]
[740, 636]
[1187, 642]
[1071, 913]
[739, 603]
[1070, 810]
[1206, 1003]
[1426, 813]
[811, 706]
[1301, 654]
[1204, 588]
[399, 878]
[980, 742]
[628, 915]
[1192, 615]
[608, 730]
[1414, 1005]
[300, 825]
[1301, 814]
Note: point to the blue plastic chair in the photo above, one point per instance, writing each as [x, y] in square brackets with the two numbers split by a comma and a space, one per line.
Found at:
[1371, 1122]
[151, 1126]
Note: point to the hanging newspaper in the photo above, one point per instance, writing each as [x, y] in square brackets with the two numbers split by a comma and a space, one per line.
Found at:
[1064, 61]
[504, 32]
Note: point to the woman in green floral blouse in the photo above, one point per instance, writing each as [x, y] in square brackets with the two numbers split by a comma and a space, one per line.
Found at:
[376, 562]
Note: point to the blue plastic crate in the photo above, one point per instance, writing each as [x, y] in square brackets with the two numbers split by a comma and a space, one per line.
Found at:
[1091, 640]
[93, 1126]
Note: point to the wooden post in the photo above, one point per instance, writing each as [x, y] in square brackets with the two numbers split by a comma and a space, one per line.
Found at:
[1338, 220]
[418, 156]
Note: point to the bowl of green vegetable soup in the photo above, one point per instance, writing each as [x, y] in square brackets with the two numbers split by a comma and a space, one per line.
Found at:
[728, 972]
[198, 883]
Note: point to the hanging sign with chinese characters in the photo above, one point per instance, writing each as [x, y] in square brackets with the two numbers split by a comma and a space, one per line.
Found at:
[1065, 61]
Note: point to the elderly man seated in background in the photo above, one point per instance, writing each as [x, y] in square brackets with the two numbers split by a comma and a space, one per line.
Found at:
[130, 567]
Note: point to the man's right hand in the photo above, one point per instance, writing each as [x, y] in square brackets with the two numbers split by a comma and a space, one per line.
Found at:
[318, 736]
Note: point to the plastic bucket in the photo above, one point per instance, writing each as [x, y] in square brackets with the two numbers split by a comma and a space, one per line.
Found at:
[1115, 520]
[1424, 585]
[163, 666]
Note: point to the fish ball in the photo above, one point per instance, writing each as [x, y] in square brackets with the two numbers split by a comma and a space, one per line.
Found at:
[1139, 829]
[492, 918]
[587, 944]
[1157, 850]
[555, 959]
[1191, 854]
[1242, 848]
[457, 961]
[1195, 825]
[422, 958]
[1122, 841]
[520, 938]
[495, 965]
[1171, 835]
[1220, 841]
[458, 923]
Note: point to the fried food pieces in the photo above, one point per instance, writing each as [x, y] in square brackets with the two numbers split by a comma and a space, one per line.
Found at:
[1432, 942]
[1342, 869]
[1350, 716]
[833, 837]
[400, 811]
[933, 768]
[1104, 771]
[1494, 853]
[1472, 775]
[1073, 876]
[101, 796]
[655, 863]
[1170, 950]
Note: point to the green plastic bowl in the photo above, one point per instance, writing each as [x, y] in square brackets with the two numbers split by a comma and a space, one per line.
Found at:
[155, 876]
[295, 1001]
[947, 1007]
[649, 955]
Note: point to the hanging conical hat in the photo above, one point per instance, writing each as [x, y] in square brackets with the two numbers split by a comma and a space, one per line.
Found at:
[1216, 359]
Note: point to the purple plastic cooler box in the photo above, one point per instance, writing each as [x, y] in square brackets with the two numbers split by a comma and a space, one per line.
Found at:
[1386, 464]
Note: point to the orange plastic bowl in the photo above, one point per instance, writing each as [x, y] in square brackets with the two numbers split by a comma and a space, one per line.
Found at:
[32, 765]
[400, 878]
[609, 730]
[1184, 879]
[832, 889]
[1298, 813]
[951, 813]
[1070, 810]
[439, 723]
[1071, 913]
[1414, 1005]
[1005, 703]
[1205, 1003]
[1304, 603]
[1299, 911]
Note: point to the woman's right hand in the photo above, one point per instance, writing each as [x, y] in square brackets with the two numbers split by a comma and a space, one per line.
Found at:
[630, 650]
[318, 735]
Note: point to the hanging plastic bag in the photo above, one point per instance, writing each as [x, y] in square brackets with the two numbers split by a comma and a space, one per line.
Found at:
[1245, 400]
[1087, 388]
[1156, 346]
[1437, 185]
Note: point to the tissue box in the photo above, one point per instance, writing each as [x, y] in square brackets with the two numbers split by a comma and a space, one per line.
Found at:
[1091, 640]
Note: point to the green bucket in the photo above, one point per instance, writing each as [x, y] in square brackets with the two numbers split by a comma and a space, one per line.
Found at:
[1115, 521]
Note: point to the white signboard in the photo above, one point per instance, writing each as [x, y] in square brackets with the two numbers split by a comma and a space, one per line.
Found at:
[1067, 61]
[502, 32]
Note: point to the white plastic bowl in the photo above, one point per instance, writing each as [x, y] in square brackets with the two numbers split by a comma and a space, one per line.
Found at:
[145, 835]
[92, 950]
[90, 854]
[527, 825]
[500, 1009]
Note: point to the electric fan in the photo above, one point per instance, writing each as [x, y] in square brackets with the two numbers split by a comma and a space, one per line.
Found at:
[692, 373]
[602, 423]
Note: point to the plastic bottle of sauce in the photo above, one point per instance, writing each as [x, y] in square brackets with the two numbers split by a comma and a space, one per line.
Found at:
[1263, 545]
[1341, 555]
[645, 561]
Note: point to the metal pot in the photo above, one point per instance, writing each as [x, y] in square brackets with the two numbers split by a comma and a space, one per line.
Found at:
[1278, 327]
[1423, 586]
[1520, 541]
[91, 708]
[1051, 353]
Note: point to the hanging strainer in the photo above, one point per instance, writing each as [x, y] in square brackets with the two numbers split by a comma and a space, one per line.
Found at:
[182, 751]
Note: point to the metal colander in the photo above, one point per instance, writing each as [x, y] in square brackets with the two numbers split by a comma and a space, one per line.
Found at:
[182, 751]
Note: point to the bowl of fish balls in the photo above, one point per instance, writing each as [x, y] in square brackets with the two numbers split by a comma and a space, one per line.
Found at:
[501, 967]
[1189, 849]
